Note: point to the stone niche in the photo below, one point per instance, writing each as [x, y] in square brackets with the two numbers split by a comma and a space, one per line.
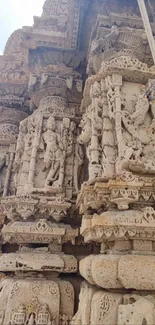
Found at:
[48, 159]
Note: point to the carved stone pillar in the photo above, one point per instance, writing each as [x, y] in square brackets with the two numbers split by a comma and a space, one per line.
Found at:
[47, 161]
[13, 109]
[117, 204]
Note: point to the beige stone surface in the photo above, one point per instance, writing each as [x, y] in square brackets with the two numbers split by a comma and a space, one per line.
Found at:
[101, 270]
[77, 127]
[137, 272]
[105, 271]
[140, 311]
[85, 267]
[116, 271]
[104, 308]
[83, 316]
[39, 231]
[40, 262]
[131, 224]
[37, 298]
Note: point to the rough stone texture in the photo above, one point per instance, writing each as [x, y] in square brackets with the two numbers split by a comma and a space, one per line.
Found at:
[101, 270]
[102, 307]
[77, 167]
[116, 271]
[137, 272]
[34, 299]
[140, 310]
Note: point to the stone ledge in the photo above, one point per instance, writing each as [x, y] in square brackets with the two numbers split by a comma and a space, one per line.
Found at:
[40, 262]
[114, 225]
[115, 271]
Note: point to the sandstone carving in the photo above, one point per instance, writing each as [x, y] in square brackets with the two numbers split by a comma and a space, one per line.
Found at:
[113, 308]
[40, 303]
[77, 166]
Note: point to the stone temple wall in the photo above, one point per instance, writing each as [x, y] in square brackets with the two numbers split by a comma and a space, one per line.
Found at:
[77, 167]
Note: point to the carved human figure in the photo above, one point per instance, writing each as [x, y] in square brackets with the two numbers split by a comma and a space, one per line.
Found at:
[142, 107]
[136, 156]
[78, 161]
[132, 122]
[28, 139]
[55, 154]
[66, 147]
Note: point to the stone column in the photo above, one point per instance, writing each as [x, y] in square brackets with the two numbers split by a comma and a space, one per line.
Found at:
[117, 209]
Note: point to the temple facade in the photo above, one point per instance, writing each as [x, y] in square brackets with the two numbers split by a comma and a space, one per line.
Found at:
[77, 167]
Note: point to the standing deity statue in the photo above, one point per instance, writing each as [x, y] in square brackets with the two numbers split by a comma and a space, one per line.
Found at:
[54, 158]
[53, 153]
[30, 136]
[78, 162]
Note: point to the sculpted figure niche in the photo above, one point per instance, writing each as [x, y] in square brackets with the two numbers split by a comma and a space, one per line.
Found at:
[58, 146]
[52, 157]
[49, 155]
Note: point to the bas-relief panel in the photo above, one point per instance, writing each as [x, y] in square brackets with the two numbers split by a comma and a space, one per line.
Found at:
[138, 128]
[120, 136]
[36, 302]
[58, 156]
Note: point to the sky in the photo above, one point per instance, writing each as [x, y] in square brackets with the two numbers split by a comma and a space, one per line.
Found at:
[17, 13]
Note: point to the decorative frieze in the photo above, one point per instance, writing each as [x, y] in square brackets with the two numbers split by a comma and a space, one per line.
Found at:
[40, 231]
